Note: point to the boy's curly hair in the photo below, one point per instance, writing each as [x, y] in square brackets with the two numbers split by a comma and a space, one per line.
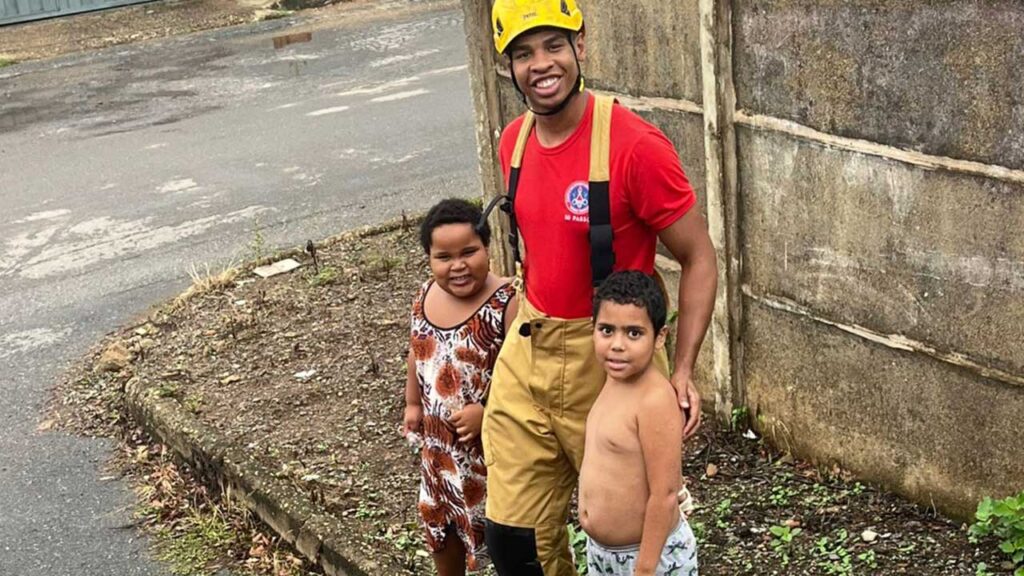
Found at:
[636, 288]
[453, 211]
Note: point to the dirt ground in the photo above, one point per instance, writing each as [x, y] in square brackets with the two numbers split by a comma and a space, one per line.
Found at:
[305, 372]
[93, 30]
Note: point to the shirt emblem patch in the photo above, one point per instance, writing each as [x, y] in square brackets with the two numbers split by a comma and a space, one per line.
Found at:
[577, 198]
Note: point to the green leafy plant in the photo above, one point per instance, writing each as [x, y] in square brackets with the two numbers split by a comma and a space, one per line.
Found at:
[700, 530]
[739, 419]
[722, 513]
[672, 317]
[781, 495]
[578, 541]
[1002, 519]
[868, 559]
[326, 275]
[782, 540]
[834, 557]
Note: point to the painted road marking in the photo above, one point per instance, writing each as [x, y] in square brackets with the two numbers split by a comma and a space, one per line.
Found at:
[323, 111]
[401, 95]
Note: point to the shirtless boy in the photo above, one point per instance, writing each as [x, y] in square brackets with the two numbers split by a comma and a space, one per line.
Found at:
[631, 469]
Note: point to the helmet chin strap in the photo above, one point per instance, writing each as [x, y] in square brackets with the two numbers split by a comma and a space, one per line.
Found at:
[565, 101]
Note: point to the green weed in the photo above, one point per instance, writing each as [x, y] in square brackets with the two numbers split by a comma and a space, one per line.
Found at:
[781, 495]
[194, 543]
[833, 556]
[722, 513]
[1002, 519]
[782, 540]
[740, 418]
[327, 275]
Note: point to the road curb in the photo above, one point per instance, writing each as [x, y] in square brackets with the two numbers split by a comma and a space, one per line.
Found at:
[291, 514]
[294, 516]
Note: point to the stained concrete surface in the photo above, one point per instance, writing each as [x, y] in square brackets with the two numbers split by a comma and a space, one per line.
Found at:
[119, 169]
[935, 76]
[651, 48]
[938, 434]
[933, 256]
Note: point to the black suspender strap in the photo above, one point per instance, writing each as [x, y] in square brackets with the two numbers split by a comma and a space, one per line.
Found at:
[509, 207]
[602, 254]
[602, 258]
[513, 184]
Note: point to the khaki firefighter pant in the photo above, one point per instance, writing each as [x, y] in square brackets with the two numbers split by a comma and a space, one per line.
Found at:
[545, 380]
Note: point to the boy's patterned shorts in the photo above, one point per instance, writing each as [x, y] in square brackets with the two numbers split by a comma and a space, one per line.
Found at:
[678, 558]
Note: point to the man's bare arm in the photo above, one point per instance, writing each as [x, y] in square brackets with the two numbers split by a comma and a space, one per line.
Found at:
[688, 241]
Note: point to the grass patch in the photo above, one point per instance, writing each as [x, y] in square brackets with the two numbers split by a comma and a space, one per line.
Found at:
[193, 545]
[327, 275]
[5, 62]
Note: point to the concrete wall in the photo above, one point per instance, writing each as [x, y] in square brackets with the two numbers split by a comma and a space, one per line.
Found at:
[861, 166]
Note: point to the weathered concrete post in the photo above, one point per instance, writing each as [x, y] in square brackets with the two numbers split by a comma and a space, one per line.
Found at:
[720, 187]
[488, 121]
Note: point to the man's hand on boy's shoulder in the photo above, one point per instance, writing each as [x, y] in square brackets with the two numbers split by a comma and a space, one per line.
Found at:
[689, 402]
[468, 421]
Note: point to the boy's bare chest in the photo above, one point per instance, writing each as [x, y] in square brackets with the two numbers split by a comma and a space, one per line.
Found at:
[612, 426]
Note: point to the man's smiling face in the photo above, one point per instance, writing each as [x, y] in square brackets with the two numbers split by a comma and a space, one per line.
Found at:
[544, 65]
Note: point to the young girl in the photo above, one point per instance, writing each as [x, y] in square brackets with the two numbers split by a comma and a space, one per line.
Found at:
[459, 318]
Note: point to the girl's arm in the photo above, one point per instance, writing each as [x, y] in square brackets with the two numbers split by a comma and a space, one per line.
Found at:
[660, 427]
[413, 416]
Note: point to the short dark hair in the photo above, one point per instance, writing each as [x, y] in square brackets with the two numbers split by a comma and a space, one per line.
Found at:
[636, 288]
[454, 211]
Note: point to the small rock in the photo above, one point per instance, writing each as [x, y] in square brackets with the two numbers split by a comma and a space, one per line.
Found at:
[114, 359]
[869, 535]
[792, 523]
[305, 375]
[279, 267]
[230, 379]
[146, 343]
[711, 471]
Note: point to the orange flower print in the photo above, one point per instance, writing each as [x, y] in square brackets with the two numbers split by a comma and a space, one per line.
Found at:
[442, 462]
[423, 347]
[472, 491]
[448, 381]
[432, 514]
[478, 468]
[472, 357]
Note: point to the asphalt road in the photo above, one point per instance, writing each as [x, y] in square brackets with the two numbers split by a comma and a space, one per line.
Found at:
[121, 168]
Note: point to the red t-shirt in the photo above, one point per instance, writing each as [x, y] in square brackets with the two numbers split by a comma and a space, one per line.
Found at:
[648, 191]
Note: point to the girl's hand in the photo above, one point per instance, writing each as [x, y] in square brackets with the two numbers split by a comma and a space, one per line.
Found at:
[468, 422]
[412, 421]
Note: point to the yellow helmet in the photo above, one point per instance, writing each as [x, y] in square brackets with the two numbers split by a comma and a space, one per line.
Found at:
[510, 18]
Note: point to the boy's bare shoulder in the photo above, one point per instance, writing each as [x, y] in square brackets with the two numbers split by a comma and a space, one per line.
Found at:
[657, 395]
